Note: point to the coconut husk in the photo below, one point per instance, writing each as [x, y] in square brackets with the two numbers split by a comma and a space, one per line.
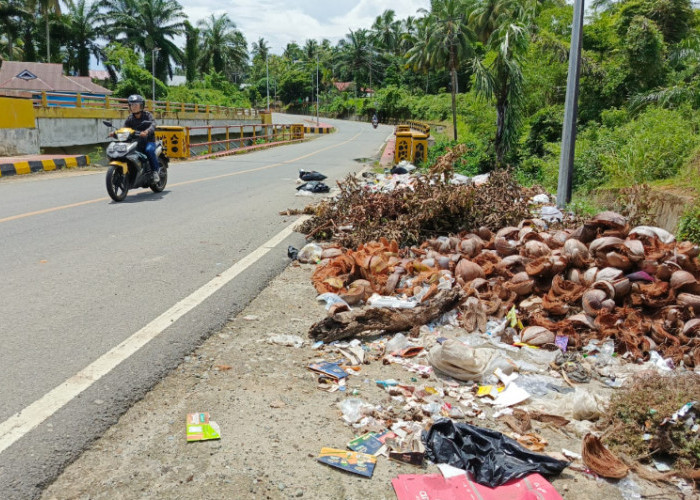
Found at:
[601, 460]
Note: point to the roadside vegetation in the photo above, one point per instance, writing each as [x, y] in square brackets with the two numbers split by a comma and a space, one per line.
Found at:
[491, 72]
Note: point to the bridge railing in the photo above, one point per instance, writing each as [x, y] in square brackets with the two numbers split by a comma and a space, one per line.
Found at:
[238, 138]
[95, 101]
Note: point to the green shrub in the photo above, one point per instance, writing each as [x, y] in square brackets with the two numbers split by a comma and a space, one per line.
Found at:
[653, 146]
[689, 225]
[471, 163]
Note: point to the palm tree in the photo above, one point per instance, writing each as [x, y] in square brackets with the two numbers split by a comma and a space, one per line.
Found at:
[417, 56]
[147, 25]
[293, 52]
[48, 7]
[354, 57]
[502, 77]
[83, 33]
[685, 59]
[224, 48]
[191, 54]
[260, 49]
[386, 31]
[310, 50]
[450, 41]
[10, 13]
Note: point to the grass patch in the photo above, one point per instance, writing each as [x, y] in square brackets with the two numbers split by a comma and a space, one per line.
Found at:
[644, 407]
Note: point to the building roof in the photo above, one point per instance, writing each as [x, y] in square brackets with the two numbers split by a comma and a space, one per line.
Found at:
[49, 77]
[343, 86]
[99, 74]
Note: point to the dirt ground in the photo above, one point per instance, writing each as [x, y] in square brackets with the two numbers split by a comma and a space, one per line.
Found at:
[273, 420]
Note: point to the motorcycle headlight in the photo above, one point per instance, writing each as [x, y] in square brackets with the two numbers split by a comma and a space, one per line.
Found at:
[122, 136]
[120, 148]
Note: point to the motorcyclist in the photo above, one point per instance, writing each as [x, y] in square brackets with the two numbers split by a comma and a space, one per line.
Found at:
[375, 120]
[147, 138]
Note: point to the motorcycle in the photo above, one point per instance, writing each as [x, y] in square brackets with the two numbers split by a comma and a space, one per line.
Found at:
[128, 167]
[375, 122]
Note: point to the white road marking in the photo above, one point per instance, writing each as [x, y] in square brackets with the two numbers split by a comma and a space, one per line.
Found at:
[18, 425]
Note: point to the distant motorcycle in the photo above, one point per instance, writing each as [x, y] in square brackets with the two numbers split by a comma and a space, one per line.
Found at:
[128, 167]
[375, 122]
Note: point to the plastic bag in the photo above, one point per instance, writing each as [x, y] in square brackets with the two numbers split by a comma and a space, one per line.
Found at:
[492, 458]
[397, 343]
[331, 298]
[460, 361]
[586, 406]
[352, 409]
[311, 176]
[311, 252]
[314, 187]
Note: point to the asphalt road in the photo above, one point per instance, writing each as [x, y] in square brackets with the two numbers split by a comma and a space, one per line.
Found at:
[157, 273]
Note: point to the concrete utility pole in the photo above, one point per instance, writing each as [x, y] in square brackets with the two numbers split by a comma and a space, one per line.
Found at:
[317, 122]
[267, 83]
[153, 73]
[568, 142]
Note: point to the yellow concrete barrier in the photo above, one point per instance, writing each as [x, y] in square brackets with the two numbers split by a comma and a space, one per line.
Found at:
[16, 113]
[174, 141]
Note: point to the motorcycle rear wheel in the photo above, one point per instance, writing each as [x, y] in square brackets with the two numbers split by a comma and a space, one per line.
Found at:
[163, 175]
[117, 183]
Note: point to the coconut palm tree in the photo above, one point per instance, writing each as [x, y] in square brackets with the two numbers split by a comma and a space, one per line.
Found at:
[386, 31]
[48, 7]
[260, 49]
[11, 11]
[501, 78]
[354, 58]
[191, 55]
[292, 51]
[224, 48]
[450, 41]
[83, 33]
[685, 59]
[146, 25]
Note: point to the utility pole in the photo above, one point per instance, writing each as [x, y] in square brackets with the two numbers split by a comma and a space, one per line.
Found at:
[153, 74]
[267, 83]
[317, 122]
[568, 141]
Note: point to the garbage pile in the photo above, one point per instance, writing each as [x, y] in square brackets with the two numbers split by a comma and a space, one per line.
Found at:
[412, 207]
[516, 316]
[503, 320]
[637, 287]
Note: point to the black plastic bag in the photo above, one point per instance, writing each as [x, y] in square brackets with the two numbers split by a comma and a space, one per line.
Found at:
[292, 252]
[314, 187]
[492, 458]
[398, 170]
[311, 176]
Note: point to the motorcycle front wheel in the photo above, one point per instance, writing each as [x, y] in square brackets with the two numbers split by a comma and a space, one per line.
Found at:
[117, 183]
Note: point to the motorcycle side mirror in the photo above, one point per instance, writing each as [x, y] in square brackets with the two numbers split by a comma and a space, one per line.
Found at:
[109, 124]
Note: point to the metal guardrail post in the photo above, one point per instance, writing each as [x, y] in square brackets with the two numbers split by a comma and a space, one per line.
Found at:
[228, 144]
[209, 138]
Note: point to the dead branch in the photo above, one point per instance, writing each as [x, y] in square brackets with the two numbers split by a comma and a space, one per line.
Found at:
[371, 319]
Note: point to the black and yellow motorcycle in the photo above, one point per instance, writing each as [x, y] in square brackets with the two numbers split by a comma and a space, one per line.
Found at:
[128, 167]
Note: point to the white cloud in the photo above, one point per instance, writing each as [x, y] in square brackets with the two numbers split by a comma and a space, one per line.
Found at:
[280, 22]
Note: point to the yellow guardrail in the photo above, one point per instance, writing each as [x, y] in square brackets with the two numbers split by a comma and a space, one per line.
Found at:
[178, 140]
[411, 142]
[60, 100]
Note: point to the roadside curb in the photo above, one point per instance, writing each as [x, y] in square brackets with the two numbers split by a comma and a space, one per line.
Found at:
[322, 129]
[19, 165]
[387, 158]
